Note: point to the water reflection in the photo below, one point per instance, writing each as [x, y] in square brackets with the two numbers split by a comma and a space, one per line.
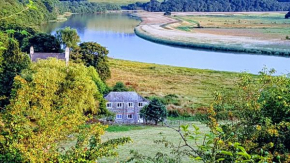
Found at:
[116, 32]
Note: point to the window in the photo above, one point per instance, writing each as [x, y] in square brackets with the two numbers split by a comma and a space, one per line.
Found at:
[109, 105]
[130, 104]
[140, 104]
[119, 105]
[119, 116]
[130, 116]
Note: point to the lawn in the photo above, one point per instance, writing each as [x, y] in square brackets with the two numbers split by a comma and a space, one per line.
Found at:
[125, 128]
[143, 141]
[264, 25]
[194, 87]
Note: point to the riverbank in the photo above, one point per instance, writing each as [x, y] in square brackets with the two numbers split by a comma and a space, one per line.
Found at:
[194, 87]
[170, 30]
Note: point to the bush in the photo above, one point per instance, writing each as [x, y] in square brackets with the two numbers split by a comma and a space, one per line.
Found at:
[120, 87]
[258, 108]
[155, 111]
[287, 15]
[167, 13]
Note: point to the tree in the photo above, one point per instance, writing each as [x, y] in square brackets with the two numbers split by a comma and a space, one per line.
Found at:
[47, 109]
[155, 111]
[28, 6]
[120, 87]
[41, 42]
[257, 110]
[93, 54]
[14, 61]
[68, 37]
[287, 15]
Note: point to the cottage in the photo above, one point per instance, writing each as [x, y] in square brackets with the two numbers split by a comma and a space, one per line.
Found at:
[126, 106]
[40, 55]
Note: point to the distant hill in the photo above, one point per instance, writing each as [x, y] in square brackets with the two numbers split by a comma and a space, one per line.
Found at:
[45, 11]
[121, 2]
[211, 5]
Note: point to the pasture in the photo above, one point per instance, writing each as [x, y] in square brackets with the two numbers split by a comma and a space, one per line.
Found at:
[143, 140]
[194, 87]
[259, 25]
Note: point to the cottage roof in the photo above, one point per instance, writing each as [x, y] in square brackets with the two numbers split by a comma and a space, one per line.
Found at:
[37, 56]
[124, 97]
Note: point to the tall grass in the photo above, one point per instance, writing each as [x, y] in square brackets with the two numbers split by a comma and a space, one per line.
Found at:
[194, 87]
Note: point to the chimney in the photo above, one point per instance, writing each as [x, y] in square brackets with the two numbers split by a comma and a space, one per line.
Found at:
[31, 52]
[66, 55]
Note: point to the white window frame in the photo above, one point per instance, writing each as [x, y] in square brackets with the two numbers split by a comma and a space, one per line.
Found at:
[120, 104]
[119, 116]
[128, 116]
[129, 104]
[109, 103]
[140, 103]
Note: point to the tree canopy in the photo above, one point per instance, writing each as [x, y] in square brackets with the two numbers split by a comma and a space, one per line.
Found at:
[258, 110]
[211, 6]
[155, 111]
[68, 37]
[13, 61]
[47, 108]
[93, 54]
[41, 42]
[120, 87]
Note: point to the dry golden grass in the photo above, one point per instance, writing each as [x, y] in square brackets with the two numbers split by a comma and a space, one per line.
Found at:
[193, 86]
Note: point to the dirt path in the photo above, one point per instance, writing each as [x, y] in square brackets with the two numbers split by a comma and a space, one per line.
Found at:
[156, 25]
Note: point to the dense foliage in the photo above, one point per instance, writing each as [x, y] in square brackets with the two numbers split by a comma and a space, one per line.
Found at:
[155, 111]
[68, 37]
[13, 61]
[287, 15]
[93, 54]
[32, 13]
[41, 42]
[211, 6]
[15, 13]
[85, 7]
[258, 109]
[46, 109]
[120, 87]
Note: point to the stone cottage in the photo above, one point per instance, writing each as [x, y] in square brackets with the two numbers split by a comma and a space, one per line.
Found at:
[40, 55]
[126, 106]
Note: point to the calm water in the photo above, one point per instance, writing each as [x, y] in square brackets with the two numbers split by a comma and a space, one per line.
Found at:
[116, 32]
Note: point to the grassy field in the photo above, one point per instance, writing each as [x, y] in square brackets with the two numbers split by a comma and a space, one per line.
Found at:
[245, 32]
[194, 87]
[264, 25]
[119, 2]
[143, 140]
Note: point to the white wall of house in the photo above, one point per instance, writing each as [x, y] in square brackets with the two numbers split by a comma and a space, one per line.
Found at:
[127, 112]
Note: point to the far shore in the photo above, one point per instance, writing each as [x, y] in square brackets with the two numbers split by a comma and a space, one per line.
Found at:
[163, 29]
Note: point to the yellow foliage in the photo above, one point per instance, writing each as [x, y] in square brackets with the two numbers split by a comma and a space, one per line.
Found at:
[48, 104]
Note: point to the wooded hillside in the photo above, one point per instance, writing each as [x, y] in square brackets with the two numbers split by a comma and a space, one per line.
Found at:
[211, 6]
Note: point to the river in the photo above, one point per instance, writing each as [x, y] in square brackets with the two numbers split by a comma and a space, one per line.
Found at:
[116, 32]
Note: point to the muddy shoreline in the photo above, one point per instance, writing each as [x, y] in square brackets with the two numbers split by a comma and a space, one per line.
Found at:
[158, 28]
